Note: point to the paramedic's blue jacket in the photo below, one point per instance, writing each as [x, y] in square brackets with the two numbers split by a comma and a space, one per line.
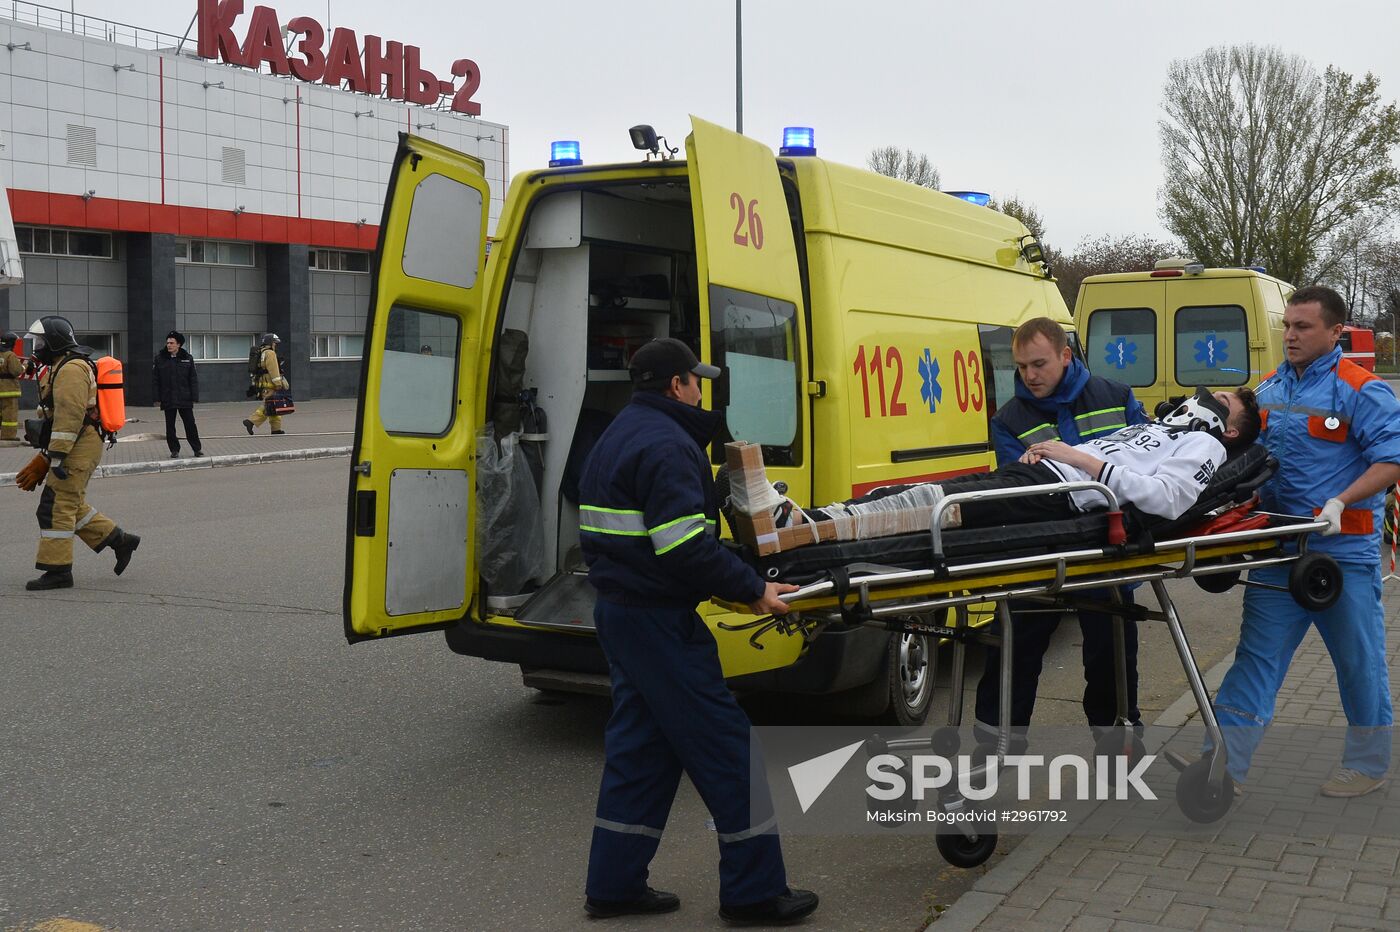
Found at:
[1082, 407]
[648, 511]
[1318, 462]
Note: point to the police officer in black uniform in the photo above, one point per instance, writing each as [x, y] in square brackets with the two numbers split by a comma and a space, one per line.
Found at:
[648, 524]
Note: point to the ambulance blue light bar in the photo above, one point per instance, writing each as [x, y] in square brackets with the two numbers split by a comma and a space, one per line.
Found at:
[972, 197]
[564, 152]
[798, 140]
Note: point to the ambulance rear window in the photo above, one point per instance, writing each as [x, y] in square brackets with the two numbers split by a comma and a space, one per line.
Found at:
[1212, 346]
[1122, 345]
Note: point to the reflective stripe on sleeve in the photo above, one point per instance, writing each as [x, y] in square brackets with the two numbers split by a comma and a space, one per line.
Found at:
[1310, 412]
[9, 394]
[622, 522]
[1038, 434]
[1101, 421]
[669, 536]
[63, 435]
[626, 829]
[55, 535]
[729, 838]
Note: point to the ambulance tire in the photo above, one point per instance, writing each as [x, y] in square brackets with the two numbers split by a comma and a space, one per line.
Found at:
[1218, 582]
[1315, 581]
[961, 851]
[908, 679]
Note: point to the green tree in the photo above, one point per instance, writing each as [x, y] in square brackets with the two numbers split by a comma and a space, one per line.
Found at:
[1104, 254]
[1266, 160]
[1023, 211]
[904, 164]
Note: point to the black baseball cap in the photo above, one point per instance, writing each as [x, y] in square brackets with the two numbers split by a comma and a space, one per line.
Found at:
[663, 358]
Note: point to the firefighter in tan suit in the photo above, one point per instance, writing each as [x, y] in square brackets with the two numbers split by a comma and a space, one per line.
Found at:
[68, 403]
[11, 368]
[267, 380]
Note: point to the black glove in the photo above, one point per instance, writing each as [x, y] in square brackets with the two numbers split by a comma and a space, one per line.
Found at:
[56, 465]
[1167, 407]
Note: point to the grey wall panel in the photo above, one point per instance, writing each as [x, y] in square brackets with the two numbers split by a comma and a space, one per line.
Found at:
[334, 378]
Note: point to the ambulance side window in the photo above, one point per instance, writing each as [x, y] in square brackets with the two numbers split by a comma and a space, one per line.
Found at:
[1212, 346]
[754, 339]
[998, 366]
[418, 372]
[1122, 345]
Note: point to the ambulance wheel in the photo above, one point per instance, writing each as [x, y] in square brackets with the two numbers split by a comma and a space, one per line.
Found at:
[1218, 582]
[1119, 742]
[960, 851]
[1198, 798]
[1315, 581]
[909, 678]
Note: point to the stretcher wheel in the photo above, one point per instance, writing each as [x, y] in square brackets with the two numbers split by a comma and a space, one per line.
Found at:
[1199, 799]
[1218, 582]
[961, 851]
[1315, 581]
[1119, 742]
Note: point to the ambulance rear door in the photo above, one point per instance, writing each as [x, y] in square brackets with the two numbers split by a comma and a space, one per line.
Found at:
[1121, 330]
[410, 562]
[754, 319]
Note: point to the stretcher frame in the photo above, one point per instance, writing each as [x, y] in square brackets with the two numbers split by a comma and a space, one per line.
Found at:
[906, 601]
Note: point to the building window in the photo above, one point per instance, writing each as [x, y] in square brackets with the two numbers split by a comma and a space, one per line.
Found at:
[46, 241]
[210, 346]
[337, 346]
[337, 260]
[213, 252]
[103, 344]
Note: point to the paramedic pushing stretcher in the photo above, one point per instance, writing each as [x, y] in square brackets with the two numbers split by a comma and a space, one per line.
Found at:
[1335, 429]
[647, 522]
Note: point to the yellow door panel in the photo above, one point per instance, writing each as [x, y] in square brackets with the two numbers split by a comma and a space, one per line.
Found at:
[410, 560]
[753, 319]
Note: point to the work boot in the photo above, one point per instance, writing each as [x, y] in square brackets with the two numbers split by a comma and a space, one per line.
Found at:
[279, 431]
[787, 907]
[653, 901]
[1347, 783]
[248, 424]
[123, 545]
[52, 579]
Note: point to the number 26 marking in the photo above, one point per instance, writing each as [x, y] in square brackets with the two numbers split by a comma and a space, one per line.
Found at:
[748, 218]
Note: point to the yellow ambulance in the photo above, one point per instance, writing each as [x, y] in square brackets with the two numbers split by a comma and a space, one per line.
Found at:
[863, 325]
[1181, 325]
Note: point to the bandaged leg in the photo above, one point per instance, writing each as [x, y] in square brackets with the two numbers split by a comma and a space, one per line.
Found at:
[896, 509]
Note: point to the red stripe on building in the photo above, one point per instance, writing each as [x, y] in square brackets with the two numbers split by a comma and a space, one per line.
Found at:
[40, 208]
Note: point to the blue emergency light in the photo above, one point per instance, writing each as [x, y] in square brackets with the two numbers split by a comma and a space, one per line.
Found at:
[798, 140]
[564, 152]
[972, 197]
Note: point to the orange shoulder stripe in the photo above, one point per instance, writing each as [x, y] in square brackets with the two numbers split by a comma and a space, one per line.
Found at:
[1354, 375]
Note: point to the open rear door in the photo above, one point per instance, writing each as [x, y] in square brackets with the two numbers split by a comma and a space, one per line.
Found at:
[410, 560]
[751, 298]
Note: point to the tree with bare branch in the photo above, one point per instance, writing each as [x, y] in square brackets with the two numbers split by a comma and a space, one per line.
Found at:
[1266, 160]
[904, 164]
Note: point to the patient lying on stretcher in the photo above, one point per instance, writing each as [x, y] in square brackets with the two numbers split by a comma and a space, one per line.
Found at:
[1160, 467]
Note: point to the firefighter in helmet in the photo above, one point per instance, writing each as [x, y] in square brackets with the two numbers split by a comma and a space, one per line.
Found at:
[267, 379]
[72, 448]
[11, 368]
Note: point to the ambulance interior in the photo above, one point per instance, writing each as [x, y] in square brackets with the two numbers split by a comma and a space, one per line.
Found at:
[599, 272]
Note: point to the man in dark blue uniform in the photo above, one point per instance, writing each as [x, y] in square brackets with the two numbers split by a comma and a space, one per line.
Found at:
[648, 517]
[1058, 399]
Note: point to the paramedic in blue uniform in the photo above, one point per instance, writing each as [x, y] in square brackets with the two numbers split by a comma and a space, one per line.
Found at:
[1058, 399]
[647, 520]
[1335, 429]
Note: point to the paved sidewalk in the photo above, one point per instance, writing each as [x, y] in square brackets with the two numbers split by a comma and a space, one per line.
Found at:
[1283, 858]
[323, 427]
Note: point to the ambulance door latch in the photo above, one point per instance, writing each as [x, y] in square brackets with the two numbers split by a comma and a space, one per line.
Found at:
[817, 389]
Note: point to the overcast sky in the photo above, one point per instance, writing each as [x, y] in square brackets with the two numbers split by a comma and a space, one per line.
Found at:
[1055, 101]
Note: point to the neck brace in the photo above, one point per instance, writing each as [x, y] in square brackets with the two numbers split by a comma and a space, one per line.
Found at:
[1199, 412]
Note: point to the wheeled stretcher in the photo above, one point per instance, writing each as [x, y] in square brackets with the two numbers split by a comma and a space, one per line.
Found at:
[926, 584]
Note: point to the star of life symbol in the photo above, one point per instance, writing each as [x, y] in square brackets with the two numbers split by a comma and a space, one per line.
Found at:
[1212, 351]
[930, 391]
[1120, 353]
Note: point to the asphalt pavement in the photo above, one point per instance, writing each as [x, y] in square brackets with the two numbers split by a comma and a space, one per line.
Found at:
[193, 745]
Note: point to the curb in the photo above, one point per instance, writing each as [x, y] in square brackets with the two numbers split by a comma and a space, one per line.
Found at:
[974, 906]
[204, 462]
